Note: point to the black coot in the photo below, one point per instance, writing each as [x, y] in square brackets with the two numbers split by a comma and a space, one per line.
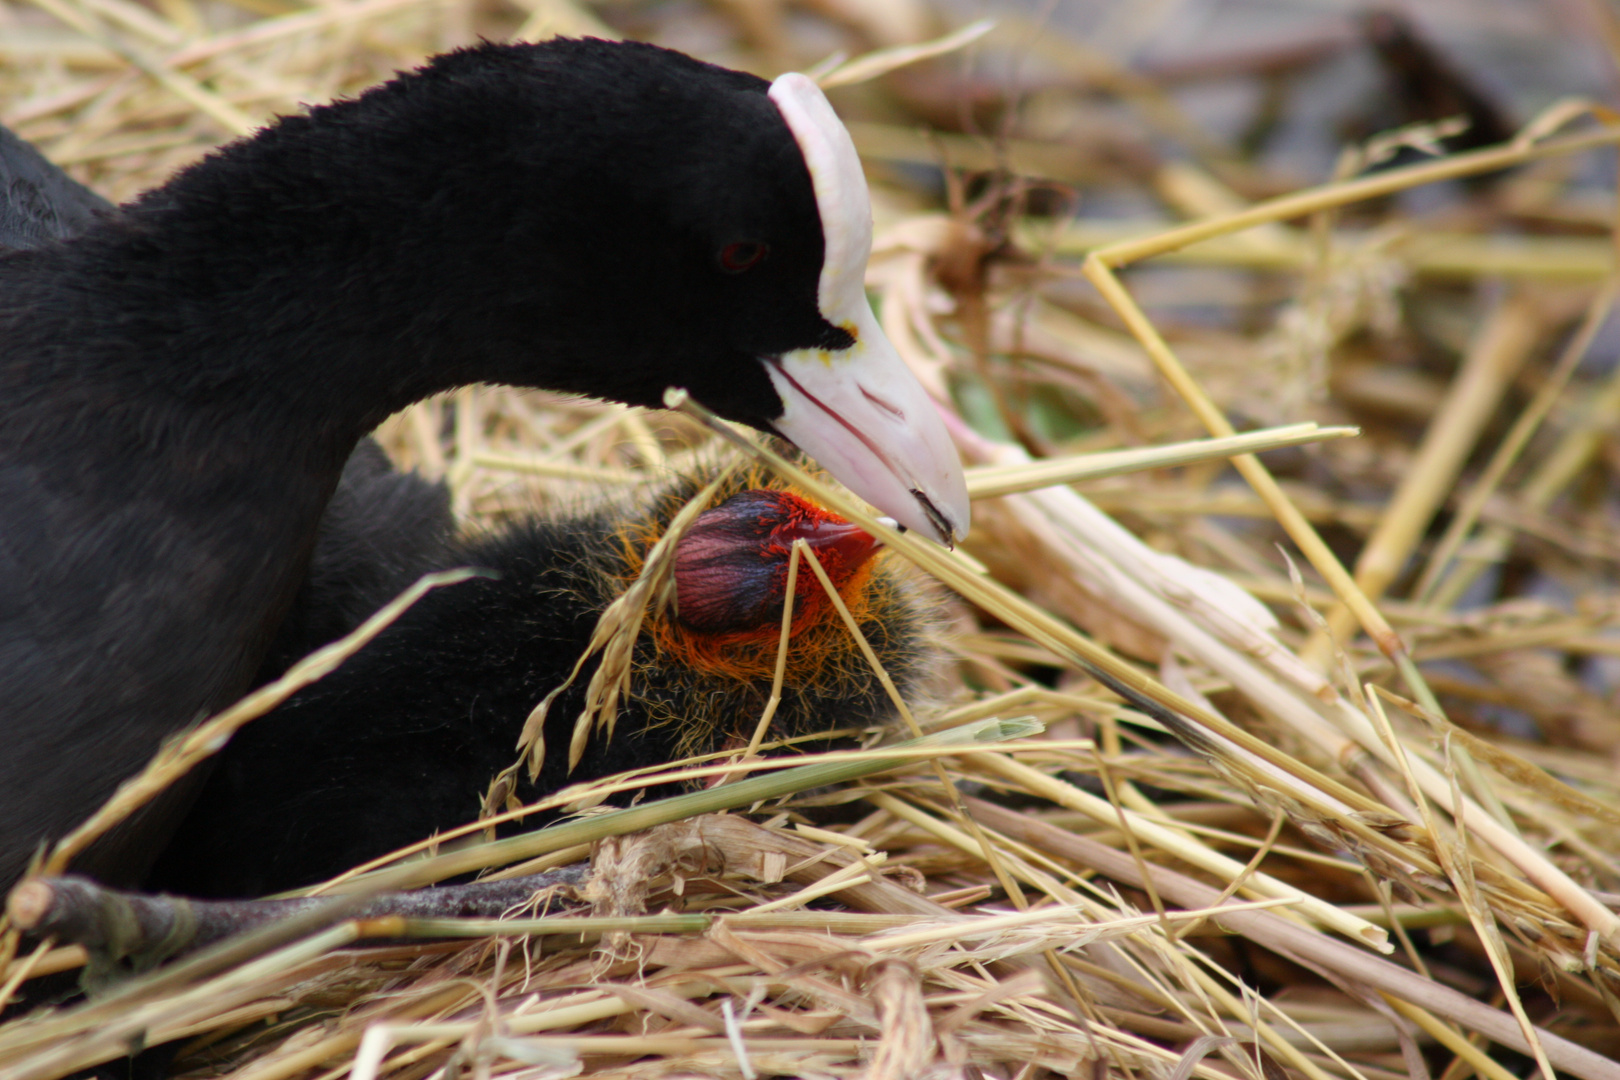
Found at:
[403, 739]
[184, 380]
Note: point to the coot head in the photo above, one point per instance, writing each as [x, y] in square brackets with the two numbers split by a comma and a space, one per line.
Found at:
[608, 218]
[732, 565]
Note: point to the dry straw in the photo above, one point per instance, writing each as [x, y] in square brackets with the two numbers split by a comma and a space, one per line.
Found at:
[1249, 839]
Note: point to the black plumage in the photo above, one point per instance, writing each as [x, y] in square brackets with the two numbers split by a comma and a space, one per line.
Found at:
[381, 532]
[404, 739]
[38, 202]
[182, 382]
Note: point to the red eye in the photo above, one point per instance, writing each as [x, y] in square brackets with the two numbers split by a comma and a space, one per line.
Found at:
[743, 255]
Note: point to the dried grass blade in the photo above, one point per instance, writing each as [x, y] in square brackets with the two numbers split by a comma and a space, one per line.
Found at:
[882, 61]
[727, 797]
[987, 481]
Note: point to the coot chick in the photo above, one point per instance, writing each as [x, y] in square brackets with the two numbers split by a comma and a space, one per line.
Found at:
[185, 379]
[403, 740]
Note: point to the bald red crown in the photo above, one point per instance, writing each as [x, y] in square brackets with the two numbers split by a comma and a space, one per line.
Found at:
[731, 566]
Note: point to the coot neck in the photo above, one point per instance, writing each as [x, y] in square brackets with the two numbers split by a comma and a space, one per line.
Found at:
[345, 294]
[324, 275]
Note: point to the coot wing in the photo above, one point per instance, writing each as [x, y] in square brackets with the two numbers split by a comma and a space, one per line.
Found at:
[38, 201]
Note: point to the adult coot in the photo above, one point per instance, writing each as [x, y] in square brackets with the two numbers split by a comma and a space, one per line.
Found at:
[184, 380]
[403, 739]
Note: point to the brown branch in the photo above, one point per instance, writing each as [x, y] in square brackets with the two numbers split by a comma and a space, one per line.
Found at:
[140, 930]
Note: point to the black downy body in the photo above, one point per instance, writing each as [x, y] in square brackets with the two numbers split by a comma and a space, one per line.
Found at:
[403, 740]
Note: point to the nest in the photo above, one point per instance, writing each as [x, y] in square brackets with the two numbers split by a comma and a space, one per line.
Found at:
[1325, 780]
